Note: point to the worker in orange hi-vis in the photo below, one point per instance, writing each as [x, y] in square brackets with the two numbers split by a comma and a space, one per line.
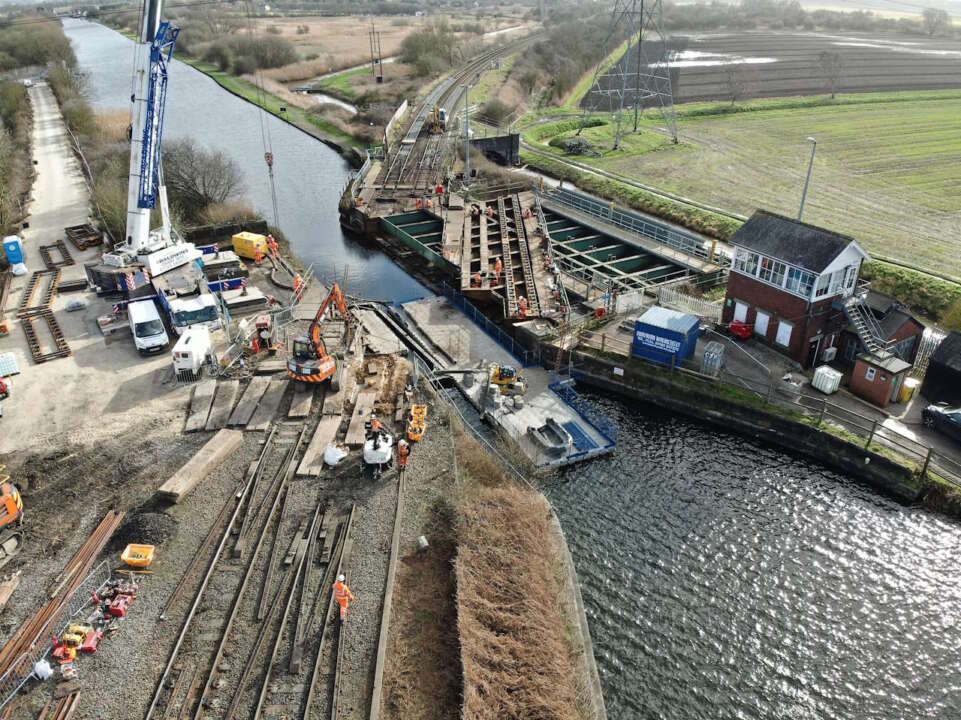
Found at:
[342, 596]
[498, 269]
[297, 282]
[522, 306]
[403, 452]
[272, 246]
[375, 424]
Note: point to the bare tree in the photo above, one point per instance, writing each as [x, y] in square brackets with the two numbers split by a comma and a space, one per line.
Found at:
[832, 66]
[935, 20]
[737, 81]
[197, 178]
[218, 23]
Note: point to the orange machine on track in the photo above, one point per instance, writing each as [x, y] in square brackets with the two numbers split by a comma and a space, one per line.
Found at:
[309, 361]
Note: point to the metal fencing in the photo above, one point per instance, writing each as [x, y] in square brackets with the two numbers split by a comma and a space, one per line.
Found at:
[526, 357]
[603, 424]
[632, 222]
[870, 432]
[929, 343]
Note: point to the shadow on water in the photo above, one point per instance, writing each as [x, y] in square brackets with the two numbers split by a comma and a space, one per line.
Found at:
[309, 175]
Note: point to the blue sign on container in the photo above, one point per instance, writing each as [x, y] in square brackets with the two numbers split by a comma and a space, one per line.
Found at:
[664, 335]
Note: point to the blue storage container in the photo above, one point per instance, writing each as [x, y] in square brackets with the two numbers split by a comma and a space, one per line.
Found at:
[13, 250]
[662, 335]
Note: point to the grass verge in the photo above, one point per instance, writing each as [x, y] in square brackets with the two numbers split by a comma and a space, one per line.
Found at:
[308, 122]
[927, 294]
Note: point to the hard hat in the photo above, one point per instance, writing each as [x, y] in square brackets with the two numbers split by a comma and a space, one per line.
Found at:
[341, 578]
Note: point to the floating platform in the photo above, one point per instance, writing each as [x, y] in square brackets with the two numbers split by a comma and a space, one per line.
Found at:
[468, 353]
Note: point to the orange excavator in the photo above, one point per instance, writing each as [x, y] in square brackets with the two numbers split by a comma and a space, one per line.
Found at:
[309, 361]
[11, 519]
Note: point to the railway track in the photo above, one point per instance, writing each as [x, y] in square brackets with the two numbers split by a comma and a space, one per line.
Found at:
[432, 152]
[260, 638]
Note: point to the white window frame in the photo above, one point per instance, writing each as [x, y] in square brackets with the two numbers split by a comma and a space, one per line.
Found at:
[821, 286]
[767, 325]
[782, 324]
[870, 374]
[746, 307]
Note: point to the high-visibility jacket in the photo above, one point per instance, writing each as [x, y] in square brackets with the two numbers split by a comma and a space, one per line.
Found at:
[403, 450]
[342, 593]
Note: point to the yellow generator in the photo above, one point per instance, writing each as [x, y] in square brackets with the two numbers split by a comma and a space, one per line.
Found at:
[252, 246]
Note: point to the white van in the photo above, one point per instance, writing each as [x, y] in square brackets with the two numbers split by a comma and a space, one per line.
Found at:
[146, 326]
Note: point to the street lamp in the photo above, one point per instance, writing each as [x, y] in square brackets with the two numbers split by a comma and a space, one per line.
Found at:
[814, 147]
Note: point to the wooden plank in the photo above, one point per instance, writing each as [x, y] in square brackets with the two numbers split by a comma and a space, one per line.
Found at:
[269, 404]
[200, 465]
[266, 367]
[313, 460]
[200, 404]
[362, 408]
[300, 404]
[248, 402]
[223, 403]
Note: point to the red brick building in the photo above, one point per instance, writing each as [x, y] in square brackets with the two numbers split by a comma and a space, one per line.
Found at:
[787, 281]
[878, 378]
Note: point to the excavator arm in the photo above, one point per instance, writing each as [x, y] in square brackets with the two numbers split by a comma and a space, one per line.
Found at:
[316, 326]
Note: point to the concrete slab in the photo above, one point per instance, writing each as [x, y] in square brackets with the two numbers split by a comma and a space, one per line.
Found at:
[313, 461]
[379, 339]
[200, 403]
[224, 400]
[269, 403]
[200, 465]
[248, 401]
[362, 409]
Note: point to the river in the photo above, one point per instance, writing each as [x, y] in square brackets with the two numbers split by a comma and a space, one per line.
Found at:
[309, 175]
[722, 579]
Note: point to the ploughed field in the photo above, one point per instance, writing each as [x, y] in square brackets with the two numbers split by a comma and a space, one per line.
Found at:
[886, 169]
[786, 63]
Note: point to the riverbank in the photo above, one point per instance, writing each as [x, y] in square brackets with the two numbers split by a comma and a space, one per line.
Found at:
[875, 461]
[349, 147]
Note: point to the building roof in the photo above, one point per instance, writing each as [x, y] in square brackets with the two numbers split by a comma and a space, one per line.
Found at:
[792, 241]
[665, 319]
[886, 361]
[948, 352]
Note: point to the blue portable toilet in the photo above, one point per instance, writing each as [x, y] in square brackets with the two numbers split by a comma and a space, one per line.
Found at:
[13, 249]
[661, 335]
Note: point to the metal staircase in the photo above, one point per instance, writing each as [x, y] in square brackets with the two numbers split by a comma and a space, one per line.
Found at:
[864, 323]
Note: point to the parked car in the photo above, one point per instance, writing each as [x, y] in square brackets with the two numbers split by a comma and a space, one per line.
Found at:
[943, 417]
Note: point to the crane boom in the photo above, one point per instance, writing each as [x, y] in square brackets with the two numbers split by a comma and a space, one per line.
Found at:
[151, 57]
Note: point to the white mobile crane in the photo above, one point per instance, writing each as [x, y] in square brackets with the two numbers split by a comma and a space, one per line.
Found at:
[160, 249]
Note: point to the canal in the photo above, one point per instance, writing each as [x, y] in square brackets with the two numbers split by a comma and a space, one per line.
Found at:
[309, 175]
[723, 579]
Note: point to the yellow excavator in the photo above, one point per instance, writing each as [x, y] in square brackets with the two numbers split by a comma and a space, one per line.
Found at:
[11, 519]
[507, 379]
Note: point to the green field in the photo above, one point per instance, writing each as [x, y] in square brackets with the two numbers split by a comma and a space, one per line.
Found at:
[342, 85]
[887, 170]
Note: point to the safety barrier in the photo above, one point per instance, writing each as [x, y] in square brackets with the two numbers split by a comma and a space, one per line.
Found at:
[526, 357]
[630, 221]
